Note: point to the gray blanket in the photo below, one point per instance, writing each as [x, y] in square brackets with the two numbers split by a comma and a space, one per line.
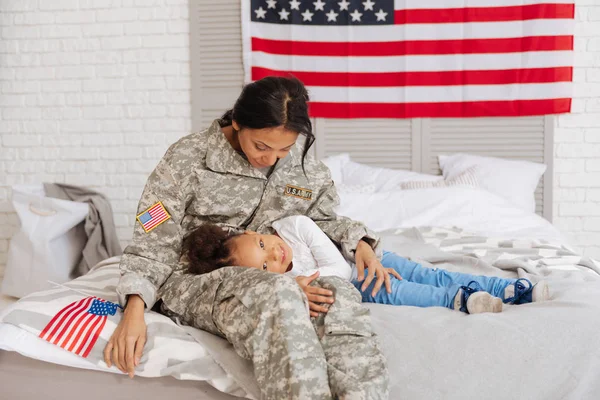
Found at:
[99, 225]
[542, 351]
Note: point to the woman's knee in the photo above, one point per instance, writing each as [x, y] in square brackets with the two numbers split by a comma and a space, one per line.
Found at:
[340, 287]
[286, 289]
[272, 291]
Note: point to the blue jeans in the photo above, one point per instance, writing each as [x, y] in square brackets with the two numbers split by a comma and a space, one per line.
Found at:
[426, 287]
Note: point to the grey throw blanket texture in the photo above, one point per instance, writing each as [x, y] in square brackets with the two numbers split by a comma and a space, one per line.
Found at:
[99, 225]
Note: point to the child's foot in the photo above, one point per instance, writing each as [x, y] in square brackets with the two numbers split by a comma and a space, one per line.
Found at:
[472, 300]
[523, 291]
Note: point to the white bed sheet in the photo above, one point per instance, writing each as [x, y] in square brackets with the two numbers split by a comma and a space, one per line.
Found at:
[472, 209]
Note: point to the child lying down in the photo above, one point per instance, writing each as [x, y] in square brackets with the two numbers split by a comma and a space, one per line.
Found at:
[301, 249]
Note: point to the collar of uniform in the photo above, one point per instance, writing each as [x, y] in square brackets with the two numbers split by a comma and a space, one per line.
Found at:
[221, 157]
[293, 159]
[295, 155]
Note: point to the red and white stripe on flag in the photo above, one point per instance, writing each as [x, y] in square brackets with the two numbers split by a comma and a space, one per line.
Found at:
[153, 217]
[77, 326]
[416, 58]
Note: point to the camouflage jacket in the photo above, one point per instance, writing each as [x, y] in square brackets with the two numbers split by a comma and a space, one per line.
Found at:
[202, 179]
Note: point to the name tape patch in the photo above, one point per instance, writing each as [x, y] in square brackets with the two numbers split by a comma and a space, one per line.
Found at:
[153, 217]
[301, 193]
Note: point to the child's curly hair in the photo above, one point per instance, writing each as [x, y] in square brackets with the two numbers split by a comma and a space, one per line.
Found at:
[209, 248]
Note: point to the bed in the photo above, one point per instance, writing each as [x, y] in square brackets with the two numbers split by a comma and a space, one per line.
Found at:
[540, 351]
[23, 378]
[498, 225]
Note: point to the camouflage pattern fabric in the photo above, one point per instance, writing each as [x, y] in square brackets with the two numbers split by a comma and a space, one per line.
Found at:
[356, 366]
[266, 318]
[202, 179]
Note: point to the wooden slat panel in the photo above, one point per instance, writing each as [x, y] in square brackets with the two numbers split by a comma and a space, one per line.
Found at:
[219, 43]
[384, 143]
[216, 58]
[208, 116]
[539, 198]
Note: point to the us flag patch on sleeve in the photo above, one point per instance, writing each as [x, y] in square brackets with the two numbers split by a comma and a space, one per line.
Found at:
[153, 217]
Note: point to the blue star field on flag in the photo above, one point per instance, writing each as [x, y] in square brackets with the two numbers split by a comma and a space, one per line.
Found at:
[324, 12]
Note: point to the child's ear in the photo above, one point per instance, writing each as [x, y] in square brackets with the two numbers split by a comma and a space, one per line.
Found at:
[250, 233]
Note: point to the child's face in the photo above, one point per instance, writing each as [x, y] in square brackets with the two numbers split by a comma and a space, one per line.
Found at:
[264, 252]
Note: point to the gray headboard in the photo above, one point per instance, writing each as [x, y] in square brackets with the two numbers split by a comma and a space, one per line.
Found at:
[414, 144]
[217, 78]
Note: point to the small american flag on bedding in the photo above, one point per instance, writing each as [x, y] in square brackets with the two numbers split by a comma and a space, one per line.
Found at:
[76, 327]
[416, 58]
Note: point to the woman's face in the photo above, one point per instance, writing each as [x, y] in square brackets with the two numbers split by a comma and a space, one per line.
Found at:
[263, 252]
[263, 147]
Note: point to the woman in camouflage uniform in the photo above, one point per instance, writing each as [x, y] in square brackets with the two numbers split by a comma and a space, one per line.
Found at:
[244, 172]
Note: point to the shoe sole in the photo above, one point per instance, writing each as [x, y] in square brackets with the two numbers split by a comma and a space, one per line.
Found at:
[483, 302]
[496, 305]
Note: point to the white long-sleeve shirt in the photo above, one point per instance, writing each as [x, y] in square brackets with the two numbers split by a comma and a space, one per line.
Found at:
[312, 249]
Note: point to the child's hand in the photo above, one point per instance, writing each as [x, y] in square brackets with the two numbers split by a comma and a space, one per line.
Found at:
[392, 271]
[315, 294]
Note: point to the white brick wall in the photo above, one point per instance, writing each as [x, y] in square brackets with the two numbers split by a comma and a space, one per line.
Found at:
[577, 148]
[92, 92]
[108, 81]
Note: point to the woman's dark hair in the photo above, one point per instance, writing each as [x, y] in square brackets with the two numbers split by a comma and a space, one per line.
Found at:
[271, 102]
[209, 248]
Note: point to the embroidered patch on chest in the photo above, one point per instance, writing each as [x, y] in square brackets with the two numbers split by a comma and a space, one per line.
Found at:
[153, 217]
[295, 191]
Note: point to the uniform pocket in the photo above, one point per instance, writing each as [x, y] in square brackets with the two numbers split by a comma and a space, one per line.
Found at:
[355, 321]
[347, 315]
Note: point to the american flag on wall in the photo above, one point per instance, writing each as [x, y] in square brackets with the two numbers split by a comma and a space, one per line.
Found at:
[416, 58]
[76, 327]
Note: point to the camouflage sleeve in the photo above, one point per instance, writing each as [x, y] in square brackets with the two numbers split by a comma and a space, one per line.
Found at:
[151, 257]
[343, 231]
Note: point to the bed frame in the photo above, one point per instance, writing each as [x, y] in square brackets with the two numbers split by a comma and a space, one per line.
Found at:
[218, 75]
[28, 379]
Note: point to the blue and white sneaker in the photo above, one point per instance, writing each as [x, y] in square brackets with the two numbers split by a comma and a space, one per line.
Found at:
[523, 292]
[471, 299]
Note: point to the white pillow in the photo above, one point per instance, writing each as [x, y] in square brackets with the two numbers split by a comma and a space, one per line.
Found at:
[344, 171]
[472, 209]
[513, 180]
[336, 165]
[467, 178]
[170, 350]
[384, 179]
[359, 189]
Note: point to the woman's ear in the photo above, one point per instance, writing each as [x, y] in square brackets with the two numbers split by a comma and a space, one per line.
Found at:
[235, 125]
[250, 233]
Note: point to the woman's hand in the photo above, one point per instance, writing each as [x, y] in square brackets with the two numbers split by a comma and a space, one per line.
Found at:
[126, 344]
[365, 257]
[314, 294]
